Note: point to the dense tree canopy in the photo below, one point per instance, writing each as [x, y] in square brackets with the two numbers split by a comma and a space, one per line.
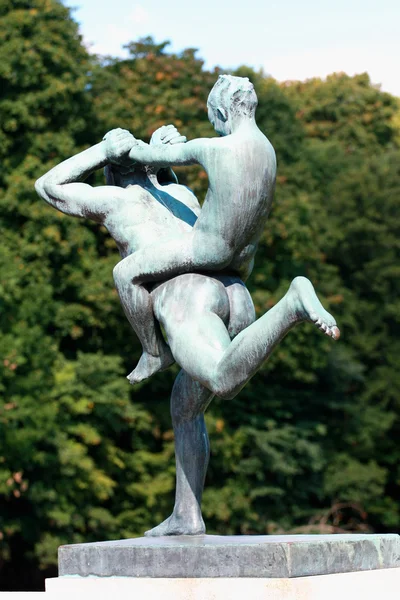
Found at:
[311, 444]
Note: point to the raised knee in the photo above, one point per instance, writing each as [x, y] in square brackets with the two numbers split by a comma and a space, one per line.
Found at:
[222, 390]
[225, 394]
[214, 253]
[223, 254]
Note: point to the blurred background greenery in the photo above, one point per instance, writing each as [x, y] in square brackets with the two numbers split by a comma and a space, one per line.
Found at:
[311, 444]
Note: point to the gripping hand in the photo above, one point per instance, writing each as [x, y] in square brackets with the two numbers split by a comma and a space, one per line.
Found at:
[167, 134]
[118, 143]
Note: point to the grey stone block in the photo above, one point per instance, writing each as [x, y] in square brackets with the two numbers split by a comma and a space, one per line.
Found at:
[232, 556]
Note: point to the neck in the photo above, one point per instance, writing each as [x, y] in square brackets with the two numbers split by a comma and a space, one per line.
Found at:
[243, 123]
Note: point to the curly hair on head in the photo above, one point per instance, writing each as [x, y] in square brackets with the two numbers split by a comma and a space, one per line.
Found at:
[236, 94]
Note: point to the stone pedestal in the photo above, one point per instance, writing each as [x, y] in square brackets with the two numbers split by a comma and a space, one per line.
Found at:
[205, 556]
[298, 567]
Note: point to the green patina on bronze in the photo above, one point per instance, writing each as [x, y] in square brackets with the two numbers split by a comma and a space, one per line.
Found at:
[184, 266]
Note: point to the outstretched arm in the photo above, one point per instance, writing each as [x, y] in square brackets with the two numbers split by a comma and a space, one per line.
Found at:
[194, 152]
[60, 188]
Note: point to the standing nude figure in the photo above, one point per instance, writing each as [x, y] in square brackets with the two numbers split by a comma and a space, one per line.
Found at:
[213, 336]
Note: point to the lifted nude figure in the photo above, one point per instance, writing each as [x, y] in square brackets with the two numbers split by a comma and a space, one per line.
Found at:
[213, 310]
[241, 169]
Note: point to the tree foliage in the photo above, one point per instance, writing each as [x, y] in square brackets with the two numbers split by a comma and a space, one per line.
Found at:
[311, 443]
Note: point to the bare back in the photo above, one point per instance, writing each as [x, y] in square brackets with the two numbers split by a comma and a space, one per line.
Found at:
[242, 170]
[140, 217]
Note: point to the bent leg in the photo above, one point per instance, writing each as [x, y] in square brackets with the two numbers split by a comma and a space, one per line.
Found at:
[201, 345]
[138, 308]
[253, 346]
[189, 400]
[190, 252]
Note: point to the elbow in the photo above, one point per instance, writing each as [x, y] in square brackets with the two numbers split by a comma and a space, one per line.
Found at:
[43, 188]
[39, 186]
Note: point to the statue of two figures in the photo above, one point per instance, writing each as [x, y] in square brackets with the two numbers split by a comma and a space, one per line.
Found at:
[184, 266]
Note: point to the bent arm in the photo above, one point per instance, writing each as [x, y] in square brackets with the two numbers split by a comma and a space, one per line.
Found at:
[166, 155]
[60, 188]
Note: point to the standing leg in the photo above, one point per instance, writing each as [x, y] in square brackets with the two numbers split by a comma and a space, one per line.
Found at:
[189, 400]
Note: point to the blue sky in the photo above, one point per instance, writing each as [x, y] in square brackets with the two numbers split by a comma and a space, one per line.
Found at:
[289, 39]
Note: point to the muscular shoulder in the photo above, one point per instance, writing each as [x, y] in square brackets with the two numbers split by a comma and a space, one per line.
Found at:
[108, 201]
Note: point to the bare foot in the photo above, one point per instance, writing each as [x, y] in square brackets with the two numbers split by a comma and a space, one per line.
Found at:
[304, 301]
[148, 365]
[178, 525]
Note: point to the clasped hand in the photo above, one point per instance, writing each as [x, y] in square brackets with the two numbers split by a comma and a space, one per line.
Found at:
[119, 142]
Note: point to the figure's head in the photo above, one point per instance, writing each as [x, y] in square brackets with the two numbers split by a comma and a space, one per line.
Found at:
[230, 99]
[123, 177]
[119, 176]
